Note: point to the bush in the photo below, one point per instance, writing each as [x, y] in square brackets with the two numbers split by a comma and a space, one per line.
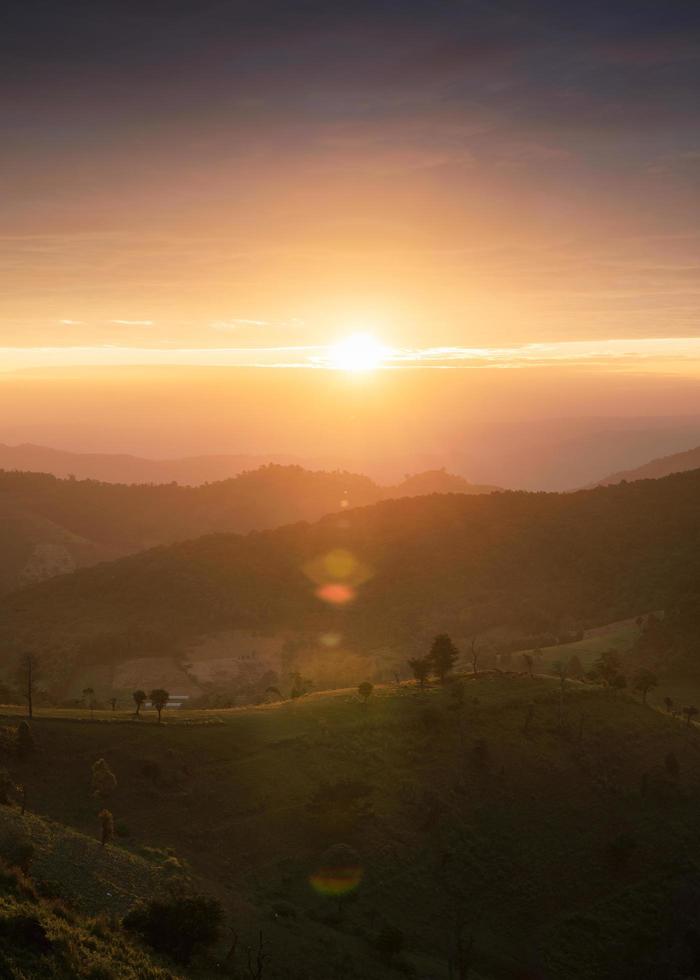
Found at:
[25, 930]
[19, 853]
[177, 927]
[389, 943]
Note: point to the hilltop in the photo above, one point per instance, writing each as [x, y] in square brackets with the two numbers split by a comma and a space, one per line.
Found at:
[53, 525]
[471, 812]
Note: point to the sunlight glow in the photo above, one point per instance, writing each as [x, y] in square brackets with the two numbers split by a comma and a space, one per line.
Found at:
[358, 352]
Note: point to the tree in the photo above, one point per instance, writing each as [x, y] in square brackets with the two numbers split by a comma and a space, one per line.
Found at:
[607, 666]
[529, 663]
[365, 690]
[300, 685]
[618, 682]
[104, 782]
[106, 826]
[113, 702]
[139, 698]
[421, 667]
[575, 668]
[669, 704]
[644, 681]
[177, 927]
[28, 672]
[690, 713]
[443, 656]
[561, 670]
[159, 699]
[25, 740]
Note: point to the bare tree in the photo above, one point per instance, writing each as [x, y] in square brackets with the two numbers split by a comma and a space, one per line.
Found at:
[257, 959]
[28, 672]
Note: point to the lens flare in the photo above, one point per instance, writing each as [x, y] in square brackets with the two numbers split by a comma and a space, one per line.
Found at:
[339, 872]
[330, 640]
[336, 593]
[338, 565]
[336, 881]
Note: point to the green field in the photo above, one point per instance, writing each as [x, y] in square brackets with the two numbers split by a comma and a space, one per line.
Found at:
[617, 636]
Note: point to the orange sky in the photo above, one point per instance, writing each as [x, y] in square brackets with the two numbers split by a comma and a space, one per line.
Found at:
[264, 175]
[506, 190]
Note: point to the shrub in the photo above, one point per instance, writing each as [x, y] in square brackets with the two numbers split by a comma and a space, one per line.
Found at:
[106, 826]
[389, 943]
[19, 853]
[104, 782]
[177, 927]
[365, 690]
[25, 930]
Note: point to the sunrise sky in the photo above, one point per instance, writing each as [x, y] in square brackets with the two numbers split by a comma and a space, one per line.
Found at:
[186, 181]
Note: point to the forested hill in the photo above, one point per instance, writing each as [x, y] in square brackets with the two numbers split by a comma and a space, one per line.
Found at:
[443, 561]
[655, 468]
[52, 525]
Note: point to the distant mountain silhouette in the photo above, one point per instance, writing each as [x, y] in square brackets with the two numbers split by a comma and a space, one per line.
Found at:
[520, 454]
[51, 525]
[125, 468]
[656, 468]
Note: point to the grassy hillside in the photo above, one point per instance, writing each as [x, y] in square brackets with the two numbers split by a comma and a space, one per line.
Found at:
[51, 526]
[412, 567]
[554, 835]
[52, 937]
[93, 878]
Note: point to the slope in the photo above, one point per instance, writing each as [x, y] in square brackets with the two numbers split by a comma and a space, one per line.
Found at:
[657, 468]
[550, 832]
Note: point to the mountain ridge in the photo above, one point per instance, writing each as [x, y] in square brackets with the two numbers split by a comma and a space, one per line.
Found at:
[398, 571]
[656, 468]
[53, 525]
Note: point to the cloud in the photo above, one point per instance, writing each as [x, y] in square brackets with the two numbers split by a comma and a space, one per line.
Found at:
[133, 323]
[72, 323]
[236, 323]
[651, 354]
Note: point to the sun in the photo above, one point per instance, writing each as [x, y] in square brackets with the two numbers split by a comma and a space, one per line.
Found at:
[358, 352]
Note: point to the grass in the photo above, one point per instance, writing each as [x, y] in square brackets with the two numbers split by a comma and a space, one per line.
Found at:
[467, 813]
[619, 636]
